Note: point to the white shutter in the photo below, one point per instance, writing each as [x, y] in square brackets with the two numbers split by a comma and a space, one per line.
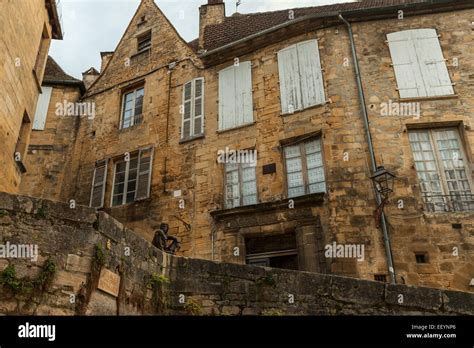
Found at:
[187, 110]
[243, 90]
[432, 64]
[98, 185]
[42, 108]
[226, 97]
[289, 75]
[311, 76]
[198, 106]
[145, 161]
[405, 63]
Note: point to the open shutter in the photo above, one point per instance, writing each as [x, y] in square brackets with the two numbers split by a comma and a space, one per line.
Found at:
[243, 97]
[311, 76]
[405, 63]
[187, 106]
[42, 108]
[226, 98]
[290, 85]
[98, 185]
[198, 106]
[432, 64]
[145, 161]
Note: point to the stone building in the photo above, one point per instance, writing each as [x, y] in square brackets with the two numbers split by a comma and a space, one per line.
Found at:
[285, 85]
[53, 135]
[31, 25]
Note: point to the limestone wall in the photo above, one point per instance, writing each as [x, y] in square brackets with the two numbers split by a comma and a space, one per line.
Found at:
[91, 264]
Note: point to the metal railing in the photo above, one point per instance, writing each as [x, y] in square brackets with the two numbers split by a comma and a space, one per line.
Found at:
[453, 202]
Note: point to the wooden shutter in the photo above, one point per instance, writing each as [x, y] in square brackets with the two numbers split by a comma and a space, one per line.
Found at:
[311, 76]
[198, 106]
[243, 97]
[145, 161]
[226, 97]
[42, 108]
[290, 85]
[432, 64]
[187, 110]
[98, 185]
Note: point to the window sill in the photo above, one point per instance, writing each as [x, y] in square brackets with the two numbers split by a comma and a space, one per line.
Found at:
[131, 128]
[219, 131]
[140, 53]
[127, 205]
[417, 99]
[310, 199]
[190, 139]
[283, 114]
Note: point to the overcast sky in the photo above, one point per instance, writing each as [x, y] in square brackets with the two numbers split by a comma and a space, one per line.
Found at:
[93, 26]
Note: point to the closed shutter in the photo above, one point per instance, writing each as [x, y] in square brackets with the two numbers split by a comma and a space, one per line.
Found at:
[187, 112]
[311, 76]
[98, 185]
[226, 98]
[145, 161]
[419, 64]
[198, 106]
[290, 86]
[405, 63]
[243, 89]
[432, 63]
[42, 108]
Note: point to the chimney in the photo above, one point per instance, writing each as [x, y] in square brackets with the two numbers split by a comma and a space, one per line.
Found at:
[212, 13]
[89, 77]
[105, 59]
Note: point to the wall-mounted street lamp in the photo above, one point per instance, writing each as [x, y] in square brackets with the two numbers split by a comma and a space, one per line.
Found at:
[383, 181]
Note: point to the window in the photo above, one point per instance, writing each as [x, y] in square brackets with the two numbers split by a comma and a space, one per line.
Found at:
[441, 169]
[421, 257]
[419, 64]
[304, 168]
[278, 251]
[380, 278]
[42, 106]
[98, 185]
[301, 77]
[240, 184]
[144, 42]
[235, 96]
[193, 109]
[132, 177]
[132, 107]
[42, 54]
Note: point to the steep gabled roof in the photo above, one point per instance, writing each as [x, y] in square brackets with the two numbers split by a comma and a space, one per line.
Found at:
[54, 74]
[240, 26]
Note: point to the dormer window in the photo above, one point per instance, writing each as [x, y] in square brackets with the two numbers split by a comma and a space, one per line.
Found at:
[144, 42]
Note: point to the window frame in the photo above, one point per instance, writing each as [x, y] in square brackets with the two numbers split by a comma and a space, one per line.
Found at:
[241, 182]
[125, 187]
[301, 143]
[192, 117]
[124, 93]
[144, 37]
[98, 164]
[439, 165]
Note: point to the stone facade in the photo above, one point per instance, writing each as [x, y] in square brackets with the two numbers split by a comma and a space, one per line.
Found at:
[187, 182]
[97, 266]
[31, 25]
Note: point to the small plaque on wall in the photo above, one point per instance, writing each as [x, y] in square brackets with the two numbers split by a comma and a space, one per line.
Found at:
[269, 168]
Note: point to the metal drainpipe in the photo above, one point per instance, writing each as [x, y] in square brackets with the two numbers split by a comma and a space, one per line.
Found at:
[378, 198]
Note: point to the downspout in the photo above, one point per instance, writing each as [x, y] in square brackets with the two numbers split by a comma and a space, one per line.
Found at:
[170, 70]
[373, 163]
